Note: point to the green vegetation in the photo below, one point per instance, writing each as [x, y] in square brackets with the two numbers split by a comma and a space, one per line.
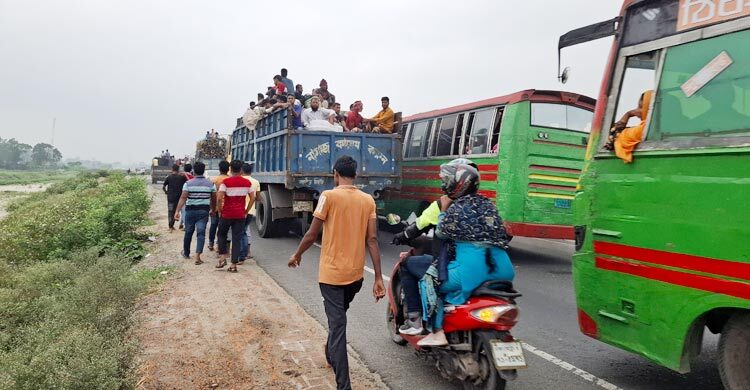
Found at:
[8, 177]
[67, 285]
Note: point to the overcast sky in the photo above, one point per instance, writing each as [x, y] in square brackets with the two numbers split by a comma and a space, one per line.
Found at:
[127, 79]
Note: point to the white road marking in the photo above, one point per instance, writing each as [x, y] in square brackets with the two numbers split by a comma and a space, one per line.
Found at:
[585, 375]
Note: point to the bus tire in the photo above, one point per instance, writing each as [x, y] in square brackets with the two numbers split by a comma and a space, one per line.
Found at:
[734, 354]
[263, 220]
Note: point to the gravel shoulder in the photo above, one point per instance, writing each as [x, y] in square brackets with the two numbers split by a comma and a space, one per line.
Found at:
[206, 328]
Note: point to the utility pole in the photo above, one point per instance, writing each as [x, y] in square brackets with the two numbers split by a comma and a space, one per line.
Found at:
[54, 120]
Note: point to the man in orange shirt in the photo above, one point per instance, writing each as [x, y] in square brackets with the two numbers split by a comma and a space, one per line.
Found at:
[348, 215]
[382, 122]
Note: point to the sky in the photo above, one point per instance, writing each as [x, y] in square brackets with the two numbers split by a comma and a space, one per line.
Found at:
[123, 80]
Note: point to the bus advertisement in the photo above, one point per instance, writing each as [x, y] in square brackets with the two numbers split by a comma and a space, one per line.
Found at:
[662, 223]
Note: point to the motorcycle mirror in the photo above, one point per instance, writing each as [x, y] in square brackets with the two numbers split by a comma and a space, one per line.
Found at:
[393, 219]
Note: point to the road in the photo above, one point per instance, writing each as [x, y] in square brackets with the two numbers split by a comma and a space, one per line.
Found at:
[564, 358]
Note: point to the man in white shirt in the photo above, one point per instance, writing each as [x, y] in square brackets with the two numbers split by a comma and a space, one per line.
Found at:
[316, 112]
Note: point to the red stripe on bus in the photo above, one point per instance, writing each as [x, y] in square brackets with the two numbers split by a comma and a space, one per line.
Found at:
[436, 168]
[555, 169]
[552, 187]
[491, 177]
[732, 269]
[540, 230]
[698, 282]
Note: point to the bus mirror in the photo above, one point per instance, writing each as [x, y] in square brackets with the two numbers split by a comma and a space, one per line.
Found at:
[565, 75]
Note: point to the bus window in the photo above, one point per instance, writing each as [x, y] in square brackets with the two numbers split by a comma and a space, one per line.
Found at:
[561, 116]
[418, 140]
[457, 134]
[478, 132]
[639, 77]
[443, 138]
[721, 107]
[496, 130]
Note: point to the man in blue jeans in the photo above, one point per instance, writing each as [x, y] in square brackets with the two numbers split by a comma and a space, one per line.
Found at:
[198, 198]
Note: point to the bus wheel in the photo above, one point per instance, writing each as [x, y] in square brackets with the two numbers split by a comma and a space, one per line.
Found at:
[263, 219]
[734, 352]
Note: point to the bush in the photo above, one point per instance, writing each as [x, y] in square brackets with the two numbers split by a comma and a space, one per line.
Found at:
[67, 290]
[76, 214]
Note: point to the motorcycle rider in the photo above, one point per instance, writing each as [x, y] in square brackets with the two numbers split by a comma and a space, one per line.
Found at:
[417, 260]
[475, 238]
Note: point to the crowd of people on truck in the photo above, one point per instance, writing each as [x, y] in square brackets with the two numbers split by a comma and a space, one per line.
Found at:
[317, 111]
[213, 134]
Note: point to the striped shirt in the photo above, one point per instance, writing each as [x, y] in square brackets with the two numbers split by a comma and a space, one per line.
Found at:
[199, 191]
[237, 189]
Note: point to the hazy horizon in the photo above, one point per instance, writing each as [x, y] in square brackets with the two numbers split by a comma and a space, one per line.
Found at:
[127, 80]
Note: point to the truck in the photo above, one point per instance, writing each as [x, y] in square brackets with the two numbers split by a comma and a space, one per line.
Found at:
[160, 168]
[295, 166]
[211, 151]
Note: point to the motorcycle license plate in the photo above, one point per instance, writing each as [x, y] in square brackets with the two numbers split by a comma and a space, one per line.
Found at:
[508, 355]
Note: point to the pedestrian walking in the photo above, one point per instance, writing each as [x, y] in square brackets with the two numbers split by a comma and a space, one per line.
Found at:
[232, 196]
[198, 198]
[173, 188]
[350, 221]
[247, 171]
[223, 174]
[187, 171]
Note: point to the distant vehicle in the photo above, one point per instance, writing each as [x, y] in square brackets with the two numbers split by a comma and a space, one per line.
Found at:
[294, 167]
[662, 249]
[211, 151]
[161, 167]
[529, 147]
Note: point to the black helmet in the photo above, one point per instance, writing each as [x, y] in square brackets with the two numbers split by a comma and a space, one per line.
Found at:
[459, 179]
[465, 161]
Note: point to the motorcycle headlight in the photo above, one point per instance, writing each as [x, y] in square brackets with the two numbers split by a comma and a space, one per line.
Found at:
[501, 314]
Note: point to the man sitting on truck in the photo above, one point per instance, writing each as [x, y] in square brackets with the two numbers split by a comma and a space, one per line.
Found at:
[315, 112]
[354, 120]
[383, 121]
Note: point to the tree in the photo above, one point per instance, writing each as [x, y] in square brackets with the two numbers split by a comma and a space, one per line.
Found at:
[45, 155]
[13, 154]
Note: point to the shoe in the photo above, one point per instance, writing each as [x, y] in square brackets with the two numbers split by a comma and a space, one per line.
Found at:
[410, 330]
[434, 340]
[184, 256]
[211, 247]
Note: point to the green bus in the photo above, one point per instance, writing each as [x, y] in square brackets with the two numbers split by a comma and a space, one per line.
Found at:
[529, 147]
[663, 243]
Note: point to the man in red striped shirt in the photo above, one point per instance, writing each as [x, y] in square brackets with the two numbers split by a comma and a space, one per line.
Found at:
[233, 194]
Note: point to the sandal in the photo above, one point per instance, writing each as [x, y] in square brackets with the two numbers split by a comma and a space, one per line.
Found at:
[198, 262]
[232, 268]
[222, 264]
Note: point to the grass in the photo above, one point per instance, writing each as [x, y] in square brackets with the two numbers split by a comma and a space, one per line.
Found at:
[8, 177]
[68, 287]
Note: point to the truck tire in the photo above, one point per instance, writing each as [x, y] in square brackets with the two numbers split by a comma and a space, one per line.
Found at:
[263, 219]
[734, 352]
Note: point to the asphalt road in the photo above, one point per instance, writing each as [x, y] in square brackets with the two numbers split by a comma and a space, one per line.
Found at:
[564, 358]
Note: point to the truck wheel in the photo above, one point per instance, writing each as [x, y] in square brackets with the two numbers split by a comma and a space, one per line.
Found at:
[734, 352]
[266, 226]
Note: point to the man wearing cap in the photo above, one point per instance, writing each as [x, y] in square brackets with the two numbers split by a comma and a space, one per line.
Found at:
[327, 98]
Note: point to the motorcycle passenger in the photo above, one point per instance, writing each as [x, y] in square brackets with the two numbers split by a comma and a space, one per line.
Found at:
[475, 237]
[417, 260]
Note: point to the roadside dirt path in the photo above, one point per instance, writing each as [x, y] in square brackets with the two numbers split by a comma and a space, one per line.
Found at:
[210, 329]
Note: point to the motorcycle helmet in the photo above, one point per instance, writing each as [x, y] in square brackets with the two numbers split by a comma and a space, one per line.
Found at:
[459, 179]
[465, 161]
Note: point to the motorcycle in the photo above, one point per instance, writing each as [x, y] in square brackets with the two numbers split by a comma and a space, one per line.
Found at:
[481, 352]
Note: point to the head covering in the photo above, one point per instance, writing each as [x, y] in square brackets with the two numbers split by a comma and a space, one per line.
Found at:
[473, 218]
[323, 82]
[630, 137]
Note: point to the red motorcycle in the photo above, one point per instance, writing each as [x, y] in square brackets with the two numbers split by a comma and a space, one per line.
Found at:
[481, 352]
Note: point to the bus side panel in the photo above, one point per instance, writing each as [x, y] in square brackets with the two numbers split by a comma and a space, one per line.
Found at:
[667, 243]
